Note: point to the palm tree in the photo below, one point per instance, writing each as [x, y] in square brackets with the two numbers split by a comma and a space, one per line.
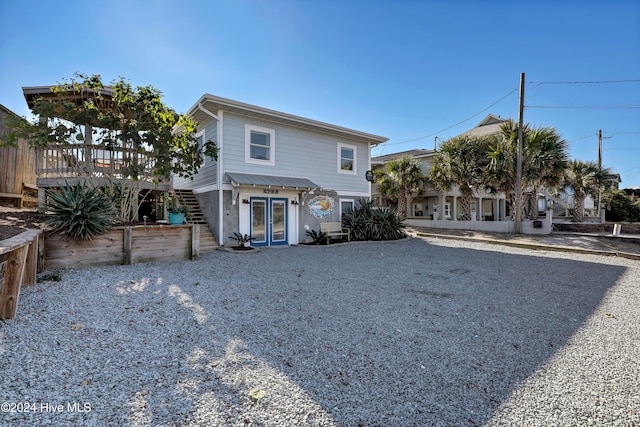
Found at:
[399, 180]
[544, 164]
[544, 159]
[584, 178]
[460, 161]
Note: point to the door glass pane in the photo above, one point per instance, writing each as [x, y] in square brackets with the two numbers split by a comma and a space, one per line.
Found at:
[279, 223]
[258, 223]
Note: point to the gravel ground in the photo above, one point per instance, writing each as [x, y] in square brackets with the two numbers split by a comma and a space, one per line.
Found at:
[417, 332]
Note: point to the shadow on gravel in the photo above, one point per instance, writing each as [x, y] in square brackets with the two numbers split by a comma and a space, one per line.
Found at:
[398, 334]
[416, 334]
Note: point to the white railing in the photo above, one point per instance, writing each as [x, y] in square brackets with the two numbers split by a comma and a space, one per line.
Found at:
[59, 161]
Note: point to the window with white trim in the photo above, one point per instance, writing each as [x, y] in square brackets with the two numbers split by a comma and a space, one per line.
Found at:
[259, 145]
[347, 158]
[346, 206]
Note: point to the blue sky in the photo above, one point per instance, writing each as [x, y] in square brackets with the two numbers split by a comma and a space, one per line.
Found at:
[407, 70]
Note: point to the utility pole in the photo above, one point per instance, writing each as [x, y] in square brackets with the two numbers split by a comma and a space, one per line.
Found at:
[518, 217]
[600, 148]
[599, 166]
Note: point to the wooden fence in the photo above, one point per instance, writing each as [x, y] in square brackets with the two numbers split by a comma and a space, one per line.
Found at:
[20, 261]
[124, 245]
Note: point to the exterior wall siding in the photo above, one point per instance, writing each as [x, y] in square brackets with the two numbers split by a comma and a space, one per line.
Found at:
[208, 173]
[298, 153]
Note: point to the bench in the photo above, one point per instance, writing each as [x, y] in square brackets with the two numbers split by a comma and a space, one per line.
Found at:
[334, 230]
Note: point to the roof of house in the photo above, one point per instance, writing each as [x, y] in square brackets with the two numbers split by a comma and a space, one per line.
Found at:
[209, 104]
[488, 126]
[414, 154]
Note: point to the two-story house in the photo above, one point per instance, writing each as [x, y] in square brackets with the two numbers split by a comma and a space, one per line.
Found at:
[440, 205]
[277, 175]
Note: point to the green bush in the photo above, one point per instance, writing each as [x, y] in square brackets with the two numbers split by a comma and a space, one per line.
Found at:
[366, 222]
[79, 212]
[318, 237]
[620, 207]
[242, 239]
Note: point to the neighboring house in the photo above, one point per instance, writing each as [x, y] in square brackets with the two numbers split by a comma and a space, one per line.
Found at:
[439, 205]
[277, 175]
[17, 165]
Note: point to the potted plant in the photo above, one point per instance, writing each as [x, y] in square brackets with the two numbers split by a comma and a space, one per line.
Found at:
[177, 210]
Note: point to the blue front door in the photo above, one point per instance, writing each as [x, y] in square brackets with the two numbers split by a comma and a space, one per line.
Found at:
[268, 221]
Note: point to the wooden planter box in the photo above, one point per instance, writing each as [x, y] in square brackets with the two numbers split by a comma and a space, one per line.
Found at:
[19, 264]
[124, 245]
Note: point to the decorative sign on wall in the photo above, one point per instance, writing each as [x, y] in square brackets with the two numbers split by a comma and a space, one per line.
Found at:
[321, 206]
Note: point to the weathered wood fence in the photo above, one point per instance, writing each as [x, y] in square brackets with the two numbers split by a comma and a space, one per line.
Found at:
[20, 261]
[124, 245]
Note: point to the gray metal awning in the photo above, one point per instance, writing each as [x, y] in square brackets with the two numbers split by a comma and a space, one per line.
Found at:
[245, 179]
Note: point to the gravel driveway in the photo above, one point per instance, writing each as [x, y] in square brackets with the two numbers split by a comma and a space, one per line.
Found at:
[417, 332]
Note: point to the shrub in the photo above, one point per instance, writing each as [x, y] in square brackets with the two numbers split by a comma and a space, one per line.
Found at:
[367, 222]
[242, 239]
[79, 212]
[620, 207]
[318, 237]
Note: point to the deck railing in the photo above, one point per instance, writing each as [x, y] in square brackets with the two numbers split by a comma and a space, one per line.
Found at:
[79, 160]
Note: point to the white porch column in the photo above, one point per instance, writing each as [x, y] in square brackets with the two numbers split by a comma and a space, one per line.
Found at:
[454, 208]
[441, 200]
[480, 209]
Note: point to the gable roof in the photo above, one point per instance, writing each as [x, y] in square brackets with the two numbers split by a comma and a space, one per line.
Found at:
[491, 120]
[414, 154]
[213, 104]
[488, 126]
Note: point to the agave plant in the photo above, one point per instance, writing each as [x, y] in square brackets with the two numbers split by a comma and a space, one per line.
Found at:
[318, 237]
[79, 212]
[366, 222]
[242, 239]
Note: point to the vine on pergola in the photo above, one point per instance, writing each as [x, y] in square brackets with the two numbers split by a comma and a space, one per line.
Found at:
[119, 116]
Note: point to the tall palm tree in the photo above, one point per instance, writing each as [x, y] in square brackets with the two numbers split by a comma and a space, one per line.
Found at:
[460, 161]
[544, 164]
[399, 180]
[544, 159]
[584, 178]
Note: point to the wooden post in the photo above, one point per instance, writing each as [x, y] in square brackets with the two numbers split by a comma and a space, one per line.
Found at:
[42, 200]
[195, 242]
[31, 263]
[11, 280]
[126, 256]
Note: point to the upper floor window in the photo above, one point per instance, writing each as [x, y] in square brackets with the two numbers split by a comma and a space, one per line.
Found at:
[346, 158]
[259, 145]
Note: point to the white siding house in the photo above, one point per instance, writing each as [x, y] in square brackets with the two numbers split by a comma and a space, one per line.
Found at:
[277, 174]
[440, 209]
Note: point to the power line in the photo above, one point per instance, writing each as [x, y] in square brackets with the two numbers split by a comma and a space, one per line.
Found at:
[583, 137]
[601, 107]
[587, 82]
[452, 126]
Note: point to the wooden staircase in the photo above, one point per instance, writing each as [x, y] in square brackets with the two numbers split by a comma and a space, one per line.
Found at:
[208, 242]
